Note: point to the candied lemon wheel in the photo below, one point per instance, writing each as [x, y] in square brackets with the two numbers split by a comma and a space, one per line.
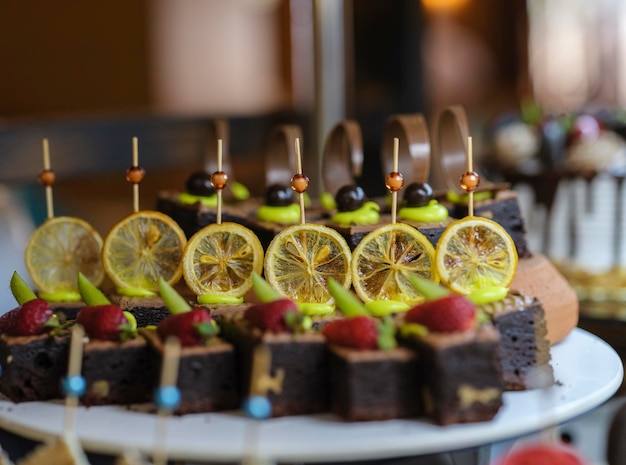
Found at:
[301, 258]
[220, 259]
[474, 253]
[385, 259]
[141, 248]
[59, 249]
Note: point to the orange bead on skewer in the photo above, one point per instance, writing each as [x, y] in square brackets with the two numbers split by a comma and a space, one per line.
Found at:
[135, 174]
[470, 180]
[47, 177]
[394, 181]
[219, 179]
[300, 183]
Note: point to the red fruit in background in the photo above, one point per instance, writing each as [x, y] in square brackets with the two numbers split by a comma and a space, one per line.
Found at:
[191, 328]
[270, 316]
[359, 332]
[586, 127]
[543, 454]
[449, 314]
[26, 320]
[104, 322]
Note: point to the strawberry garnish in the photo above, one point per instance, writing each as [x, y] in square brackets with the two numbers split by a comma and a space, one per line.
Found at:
[105, 322]
[360, 332]
[192, 328]
[278, 316]
[450, 314]
[29, 319]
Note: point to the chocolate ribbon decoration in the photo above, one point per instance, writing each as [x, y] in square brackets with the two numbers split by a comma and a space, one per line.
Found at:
[280, 156]
[450, 153]
[413, 146]
[342, 159]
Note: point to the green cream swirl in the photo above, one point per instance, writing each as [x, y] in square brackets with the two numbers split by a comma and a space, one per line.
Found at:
[287, 214]
[434, 212]
[368, 213]
[190, 199]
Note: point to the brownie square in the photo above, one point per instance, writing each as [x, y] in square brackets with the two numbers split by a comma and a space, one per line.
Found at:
[118, 372]
[33, 366]
[374, 384]
[462, 380]
[524, 346]
[303, 357]
[207, 375]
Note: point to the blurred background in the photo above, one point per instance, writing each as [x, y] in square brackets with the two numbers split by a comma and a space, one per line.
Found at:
[89, 76]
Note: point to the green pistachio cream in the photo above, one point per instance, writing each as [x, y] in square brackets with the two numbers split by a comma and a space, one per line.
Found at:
[287, 214]
[61, 296]
[135, 292]
[434, 212]
[368, 213]
[190, 199]
[463, 198]
[212, 299]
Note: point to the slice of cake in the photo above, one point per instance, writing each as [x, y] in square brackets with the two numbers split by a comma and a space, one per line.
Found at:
[459, 360]
[299, 352]
[370, 378]
[33, 349]
[524, 347]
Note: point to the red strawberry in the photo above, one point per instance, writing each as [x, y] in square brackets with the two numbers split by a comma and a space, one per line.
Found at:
[192, 328]
[450, 314]
[273, 316]
[359, 332]
[26, 320]
[104, 322]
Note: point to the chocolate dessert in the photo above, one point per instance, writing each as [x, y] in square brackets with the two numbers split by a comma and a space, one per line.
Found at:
[118, 372]
[33, 366]
[207, 375]
[374, 384]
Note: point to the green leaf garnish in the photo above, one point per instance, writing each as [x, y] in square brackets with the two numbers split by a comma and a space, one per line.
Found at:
[429, 289]
[90, 294]
[263, 290]
[173, 300]
[413, 329]
[346, 301]
[386, 334]
[128, 330]
[21, 290]
[327, 201]
[298, 322]
[207, 329]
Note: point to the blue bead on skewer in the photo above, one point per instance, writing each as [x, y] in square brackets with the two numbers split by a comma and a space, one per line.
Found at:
[74, 385]
[257, 407]
[167, 397]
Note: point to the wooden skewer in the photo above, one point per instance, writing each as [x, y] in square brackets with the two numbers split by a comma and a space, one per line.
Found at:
[46, 167]
[219, 191]
[394, 194]
[135, 165]
[74, 369]
[470, 169]
[169, 376]
[299, 171]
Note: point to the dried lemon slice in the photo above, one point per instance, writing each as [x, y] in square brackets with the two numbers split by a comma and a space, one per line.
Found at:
[58, 250]
[302, 258]
[141, 248]
[474, 253]
[384, 260]
[220, 259]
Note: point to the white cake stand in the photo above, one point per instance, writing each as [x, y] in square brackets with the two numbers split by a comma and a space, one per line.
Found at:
[588, 372]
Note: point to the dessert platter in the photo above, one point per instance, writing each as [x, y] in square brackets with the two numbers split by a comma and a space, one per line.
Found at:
[588, 371]
[299, 330]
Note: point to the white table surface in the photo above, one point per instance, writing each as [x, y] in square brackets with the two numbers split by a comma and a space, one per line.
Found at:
[587, 370]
